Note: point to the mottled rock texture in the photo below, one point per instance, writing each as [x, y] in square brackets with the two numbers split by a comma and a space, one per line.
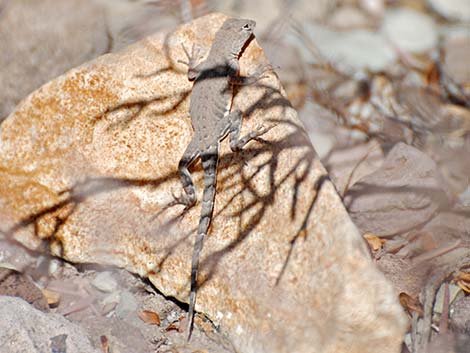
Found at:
[405, 192]
[88, 165]
[26, 329]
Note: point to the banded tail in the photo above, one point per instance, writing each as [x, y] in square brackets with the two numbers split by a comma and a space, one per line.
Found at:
[209, 160]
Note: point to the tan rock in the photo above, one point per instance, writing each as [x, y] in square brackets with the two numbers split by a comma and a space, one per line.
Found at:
[88, 164]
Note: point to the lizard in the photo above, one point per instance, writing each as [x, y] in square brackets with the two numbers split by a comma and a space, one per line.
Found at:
[213, 118]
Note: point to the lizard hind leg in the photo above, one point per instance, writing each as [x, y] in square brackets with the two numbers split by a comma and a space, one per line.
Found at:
[237, 143]
[191, 153]
[209, 164]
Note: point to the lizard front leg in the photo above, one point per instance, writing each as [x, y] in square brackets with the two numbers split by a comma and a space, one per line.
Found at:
[237, 143]
[259, 74]
[193, 62]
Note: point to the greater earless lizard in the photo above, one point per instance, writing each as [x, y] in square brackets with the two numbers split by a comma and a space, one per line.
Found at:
[213, 119]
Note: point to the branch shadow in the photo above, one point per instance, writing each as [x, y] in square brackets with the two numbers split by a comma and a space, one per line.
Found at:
[294, 138]
[70, 199]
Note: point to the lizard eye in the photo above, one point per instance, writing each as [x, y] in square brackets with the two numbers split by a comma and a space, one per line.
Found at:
[247, 26]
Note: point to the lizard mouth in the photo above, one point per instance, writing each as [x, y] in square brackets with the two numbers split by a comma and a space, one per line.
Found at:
[247, 43]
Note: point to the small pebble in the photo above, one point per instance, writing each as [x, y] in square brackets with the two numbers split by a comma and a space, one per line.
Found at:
[127, 305]
[58, 344]
[457, 53]
[105, 282]
[410, 30]
[53, 298]
[110, 302]
[357, 49]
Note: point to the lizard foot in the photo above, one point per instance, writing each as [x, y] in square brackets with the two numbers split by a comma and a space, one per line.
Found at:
[261, 71]
[254, 135]
[193, 58]
[184, 199]
[261, 130]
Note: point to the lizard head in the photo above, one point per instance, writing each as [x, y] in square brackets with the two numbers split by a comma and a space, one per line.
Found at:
[237, 31]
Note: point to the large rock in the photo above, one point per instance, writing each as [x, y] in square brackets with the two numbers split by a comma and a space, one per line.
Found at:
[88, 166]
[26, 329]
[404, 193]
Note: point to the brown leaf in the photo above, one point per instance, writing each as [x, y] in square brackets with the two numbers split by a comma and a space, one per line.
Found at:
[104, 344]
[53, 298]
[432, 74]
[172, 327]
[149, 317]
[463, 281]
[375, 243]
[410, 303]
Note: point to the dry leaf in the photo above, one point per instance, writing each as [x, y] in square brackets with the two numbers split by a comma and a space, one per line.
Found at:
[463, 281]
[432, 75]
[53, 298]
[177, 325]
[172, 327]
[375, 243]
[410, 303]
[104, 344]
[149, 317]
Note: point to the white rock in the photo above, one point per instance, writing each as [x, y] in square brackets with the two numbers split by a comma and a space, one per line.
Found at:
[452, 9]
[456, 46]
[127, 305]
[105, 282]
[359, 49]
[410, 30]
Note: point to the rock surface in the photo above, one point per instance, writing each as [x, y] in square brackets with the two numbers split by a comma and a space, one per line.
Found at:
[25, 329]
[403, 193]
[457, 49]
[348, 165]
[36, 49]
[88, 165]
[357, 49]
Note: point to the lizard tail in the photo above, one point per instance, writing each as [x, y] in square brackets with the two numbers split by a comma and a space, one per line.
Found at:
[209, 165]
